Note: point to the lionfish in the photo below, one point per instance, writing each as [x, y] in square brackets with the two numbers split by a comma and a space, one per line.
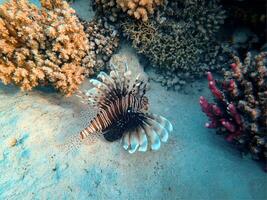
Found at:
[122, 112]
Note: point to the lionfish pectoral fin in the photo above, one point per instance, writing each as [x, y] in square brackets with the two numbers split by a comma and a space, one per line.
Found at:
[125, 141]
[161, 125]
[143, 142]
[153, 137]
[134, 140]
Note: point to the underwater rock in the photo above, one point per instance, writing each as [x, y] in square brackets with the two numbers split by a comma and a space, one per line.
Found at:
[240, 108]
[39, 46]
[180, 40]
[122, 113]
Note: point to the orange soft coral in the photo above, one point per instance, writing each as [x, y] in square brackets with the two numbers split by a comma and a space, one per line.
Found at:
[140, 9]
[41, 45]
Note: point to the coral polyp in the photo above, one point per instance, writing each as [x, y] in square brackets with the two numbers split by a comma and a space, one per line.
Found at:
[240, 108]
[123, 112]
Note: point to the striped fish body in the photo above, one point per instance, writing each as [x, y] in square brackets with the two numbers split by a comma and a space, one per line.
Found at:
[123, 112]
[114, 119]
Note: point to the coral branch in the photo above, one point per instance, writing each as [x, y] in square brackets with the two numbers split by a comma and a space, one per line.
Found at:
[240, 111]
[41, 45]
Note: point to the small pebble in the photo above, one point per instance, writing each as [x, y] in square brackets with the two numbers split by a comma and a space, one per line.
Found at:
[12, 142]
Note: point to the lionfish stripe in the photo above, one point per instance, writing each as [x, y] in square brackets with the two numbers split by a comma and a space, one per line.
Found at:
[97, 123]
[105, 119]
[123, 105]
[131, 101]
[92, 127]
[84, 133]
[117, 103]
[113, 110]
[101, 122]
[136, 104]
[110, 113]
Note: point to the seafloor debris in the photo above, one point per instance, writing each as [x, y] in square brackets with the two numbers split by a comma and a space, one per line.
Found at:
[240, 108]
[39, 46]
[138, 9]
[103, 43]
[180, 40]
[122, 112]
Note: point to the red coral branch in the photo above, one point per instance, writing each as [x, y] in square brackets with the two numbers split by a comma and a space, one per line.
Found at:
[239, 110]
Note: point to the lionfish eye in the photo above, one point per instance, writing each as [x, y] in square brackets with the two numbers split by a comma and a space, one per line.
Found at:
[129, 110]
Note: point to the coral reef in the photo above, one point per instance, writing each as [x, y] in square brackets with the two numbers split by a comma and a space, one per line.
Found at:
[180, 40]
[103, 43]
[240, 108]
[138, 9]
[107, 9]
[122, 113]
[39, 46]
[248, 20]
[247, 13]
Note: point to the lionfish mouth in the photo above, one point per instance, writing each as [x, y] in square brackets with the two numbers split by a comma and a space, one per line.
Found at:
[123, 112]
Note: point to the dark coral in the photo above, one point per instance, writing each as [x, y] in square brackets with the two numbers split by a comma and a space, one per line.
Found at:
[248, 15]
[103, 43]
[240, 108]
[180, 39]
[107, 9]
